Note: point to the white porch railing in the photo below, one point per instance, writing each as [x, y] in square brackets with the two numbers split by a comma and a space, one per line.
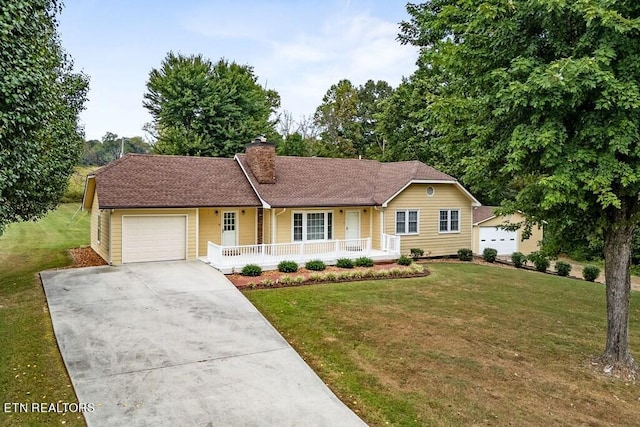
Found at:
[269, 255]
[391, 244]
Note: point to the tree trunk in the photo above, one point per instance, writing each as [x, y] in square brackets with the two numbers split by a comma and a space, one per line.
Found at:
[617, 261]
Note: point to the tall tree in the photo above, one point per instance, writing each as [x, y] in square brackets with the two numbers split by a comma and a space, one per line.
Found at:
[205, 109]
[543, 96]
[371, 97]
[348, 119]
[40, 99]
[341, 132]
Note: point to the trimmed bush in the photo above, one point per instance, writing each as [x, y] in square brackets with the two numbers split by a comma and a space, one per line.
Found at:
[489, 254]
[363, 262]
[465, 254]
[540, 261]
[416, 253]
[563, 268]
[404, 260]
[287, 267]
[344, 263]
[590, 273]
[518, 259]
[251, 270]
[315, 265]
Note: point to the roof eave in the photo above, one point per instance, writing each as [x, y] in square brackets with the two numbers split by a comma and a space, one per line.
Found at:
[265, 205]
[91, 177]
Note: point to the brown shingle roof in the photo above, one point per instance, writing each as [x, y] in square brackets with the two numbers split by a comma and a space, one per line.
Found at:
[483, 213]
[314, 181]
[149, 181]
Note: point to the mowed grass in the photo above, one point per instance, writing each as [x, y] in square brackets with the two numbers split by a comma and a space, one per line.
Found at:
[467, 345]
[31, 369]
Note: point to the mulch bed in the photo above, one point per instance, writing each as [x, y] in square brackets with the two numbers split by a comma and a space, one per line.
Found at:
[85, 257]
[248, 282]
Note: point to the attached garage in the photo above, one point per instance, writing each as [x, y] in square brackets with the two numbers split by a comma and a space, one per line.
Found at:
[504, 241]
[154, 238]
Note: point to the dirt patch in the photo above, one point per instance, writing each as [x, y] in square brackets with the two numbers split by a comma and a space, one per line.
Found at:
[85, 257]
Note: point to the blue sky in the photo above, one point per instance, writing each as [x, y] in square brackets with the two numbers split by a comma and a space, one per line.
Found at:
[297, 48]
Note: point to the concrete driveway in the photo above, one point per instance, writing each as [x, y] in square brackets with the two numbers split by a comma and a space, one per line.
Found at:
[176, 343]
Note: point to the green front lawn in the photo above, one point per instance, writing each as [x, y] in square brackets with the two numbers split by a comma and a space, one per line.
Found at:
[31, 369]
[468, 345]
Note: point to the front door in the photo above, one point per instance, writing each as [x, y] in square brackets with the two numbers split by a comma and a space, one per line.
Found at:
[229, 229]
[352, 225]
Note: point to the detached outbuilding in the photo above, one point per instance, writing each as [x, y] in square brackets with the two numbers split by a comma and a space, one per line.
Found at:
[488, 233]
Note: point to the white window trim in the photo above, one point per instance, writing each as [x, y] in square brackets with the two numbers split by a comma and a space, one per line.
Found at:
[449, 210]
[304, 225]
[406, 223]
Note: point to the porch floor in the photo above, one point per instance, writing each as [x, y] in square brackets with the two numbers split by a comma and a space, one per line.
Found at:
[270, 262]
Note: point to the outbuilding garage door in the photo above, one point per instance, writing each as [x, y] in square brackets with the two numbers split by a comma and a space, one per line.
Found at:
[154, 238]
[505, 242]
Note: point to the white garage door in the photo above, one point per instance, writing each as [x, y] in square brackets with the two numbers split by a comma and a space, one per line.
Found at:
[154, 238]
[505, 242]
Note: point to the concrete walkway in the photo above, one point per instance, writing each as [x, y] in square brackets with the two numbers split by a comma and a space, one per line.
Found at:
[176, 343]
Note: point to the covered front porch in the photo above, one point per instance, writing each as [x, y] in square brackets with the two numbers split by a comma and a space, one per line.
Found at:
[268, 255]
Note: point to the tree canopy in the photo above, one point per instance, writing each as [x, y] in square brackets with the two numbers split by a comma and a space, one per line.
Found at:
[40, 99]
[538, 102]
[204, 109]
[348, 119]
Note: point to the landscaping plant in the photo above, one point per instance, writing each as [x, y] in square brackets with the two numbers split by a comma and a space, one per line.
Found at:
[563, 268]
[315, 265]
[540, 261]
[465, 254]
[251, 270]
[489, 254]
[287, 267]
[590, 273]
[519, 259]
[416, 253]
[344, 263]
[363, 262]
[404, 260]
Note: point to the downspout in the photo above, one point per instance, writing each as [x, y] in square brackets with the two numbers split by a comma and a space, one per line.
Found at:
[197, 233]
[111, 237]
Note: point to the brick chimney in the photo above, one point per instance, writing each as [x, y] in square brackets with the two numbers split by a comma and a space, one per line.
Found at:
[261, 156]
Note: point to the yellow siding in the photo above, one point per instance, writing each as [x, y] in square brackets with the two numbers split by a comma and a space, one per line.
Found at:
[211, 226]
[375, 229]
[284, 221]
[101, 247]
[526, 246]
[446, 196]
[116, 229]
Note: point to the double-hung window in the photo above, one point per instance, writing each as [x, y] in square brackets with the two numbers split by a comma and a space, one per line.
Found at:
[312, 226]
[449, 220]
[407, 221]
